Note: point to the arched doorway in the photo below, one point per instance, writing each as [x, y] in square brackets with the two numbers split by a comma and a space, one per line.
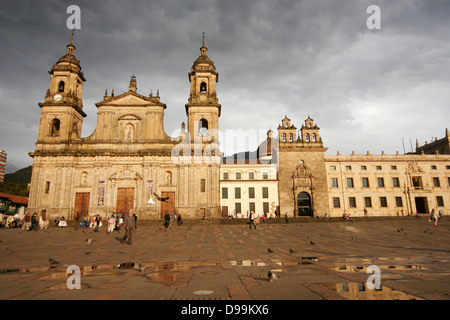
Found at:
[304, 204]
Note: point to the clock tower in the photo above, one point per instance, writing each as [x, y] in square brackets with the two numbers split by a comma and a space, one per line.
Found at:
[203, 108]
[62, 111]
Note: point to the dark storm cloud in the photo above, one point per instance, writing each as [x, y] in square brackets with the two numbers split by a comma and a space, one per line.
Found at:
[366, 89]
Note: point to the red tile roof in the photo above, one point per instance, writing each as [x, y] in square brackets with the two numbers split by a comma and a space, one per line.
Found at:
[14, 198]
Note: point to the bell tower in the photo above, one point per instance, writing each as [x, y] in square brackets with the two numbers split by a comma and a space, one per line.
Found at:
[62, 111]
[203, 108]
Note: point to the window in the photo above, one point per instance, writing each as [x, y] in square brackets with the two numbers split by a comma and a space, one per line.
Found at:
[251, 176]
[307, 137]
[226, 176]
[224, 193]
[368, 202]
[61, 86]
[203, 87]
[202, 185]
[314, 137]
[348, 167]
[396, 182]
[383, 202]
[203, 128]
[238, 176]
[251, 192]
[436, 182]
[334, 182]
[447, 167]
[265, 175]
[350, 183]
[291, 137]
[352, 202]
[363, 167]
[440, 201]
[265, 207]
[365, 182]
[47, 187]
[393, 167]
[336, 202]
[433, 167]
[283, 137]
[251, 206]
[56, 124]
[265, 192]
[417, 182]
[380, 182]
[378, 167]
[237, 193]
[237, 207]
[398, 201]
[332, 168]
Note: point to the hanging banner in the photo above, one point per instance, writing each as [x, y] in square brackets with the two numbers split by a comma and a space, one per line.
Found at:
[101, 193]
[150, 191]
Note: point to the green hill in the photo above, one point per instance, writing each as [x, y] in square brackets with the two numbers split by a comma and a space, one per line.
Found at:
[17, 183]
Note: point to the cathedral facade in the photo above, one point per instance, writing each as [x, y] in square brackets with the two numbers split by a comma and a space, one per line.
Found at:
[129, 162]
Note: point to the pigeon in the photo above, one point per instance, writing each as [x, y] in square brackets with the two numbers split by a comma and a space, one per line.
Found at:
[89, 241]
[142, 267]
[270, 250]
[292, 251]
[161, 199]
[53, 262]
[9, 250]
[272, 276]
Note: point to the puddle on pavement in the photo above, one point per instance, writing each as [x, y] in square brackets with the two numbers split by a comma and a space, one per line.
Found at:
[363, 269]
[247, 263]
[359, 291]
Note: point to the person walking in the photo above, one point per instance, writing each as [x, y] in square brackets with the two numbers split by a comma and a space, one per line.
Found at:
[166, 221]
[77, 220]
[130, 225]
[252, 220]
[435, 217]
[111, 223]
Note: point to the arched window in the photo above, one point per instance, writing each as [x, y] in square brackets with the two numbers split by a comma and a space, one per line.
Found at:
[307, 137]
[314, 139]
[291, 137]
[283, 137]
[61, 86]
[203, 127]
[203, 87]
[56, 124]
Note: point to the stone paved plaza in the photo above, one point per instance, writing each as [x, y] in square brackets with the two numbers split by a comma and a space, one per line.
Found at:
[202, 260]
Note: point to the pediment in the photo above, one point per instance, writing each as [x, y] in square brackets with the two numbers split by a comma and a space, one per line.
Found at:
[131, 99]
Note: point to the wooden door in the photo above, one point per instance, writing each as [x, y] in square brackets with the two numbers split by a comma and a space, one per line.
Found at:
[224, 212]
[168, 206]
[125, 200]
[82, 204]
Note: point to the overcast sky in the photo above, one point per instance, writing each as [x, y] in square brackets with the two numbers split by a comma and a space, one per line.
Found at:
[366, 89]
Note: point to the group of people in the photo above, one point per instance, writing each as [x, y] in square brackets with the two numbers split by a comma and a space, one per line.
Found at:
[34, 222]
[175, 217]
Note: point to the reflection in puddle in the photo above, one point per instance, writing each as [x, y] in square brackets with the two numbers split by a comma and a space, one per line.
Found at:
[248, 263]
[359, 291]
[363, 269]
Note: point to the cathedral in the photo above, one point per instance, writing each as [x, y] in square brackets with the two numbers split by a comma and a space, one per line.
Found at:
[129, 162]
